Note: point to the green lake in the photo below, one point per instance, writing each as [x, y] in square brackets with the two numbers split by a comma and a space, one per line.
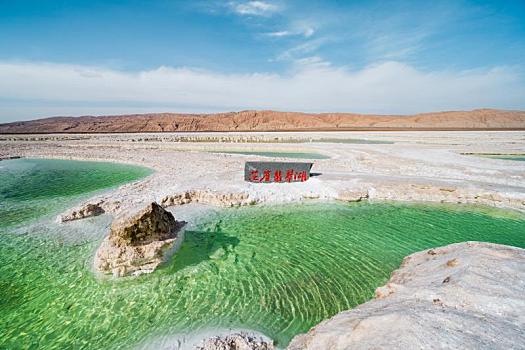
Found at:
[520, 157]
[31, 188]
[516, 157]
[274, 269]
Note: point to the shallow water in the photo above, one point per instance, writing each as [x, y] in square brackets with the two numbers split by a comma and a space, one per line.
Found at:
[275, 269]
[510, 157]
[31, 188]
[297, 155]
[517, 157]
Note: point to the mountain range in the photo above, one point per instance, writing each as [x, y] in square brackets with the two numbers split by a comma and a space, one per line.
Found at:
[265, 120]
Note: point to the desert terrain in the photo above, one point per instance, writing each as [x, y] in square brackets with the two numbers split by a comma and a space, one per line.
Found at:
[480, 119]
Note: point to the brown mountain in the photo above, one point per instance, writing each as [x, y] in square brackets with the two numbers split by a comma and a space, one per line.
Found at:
[480, 119]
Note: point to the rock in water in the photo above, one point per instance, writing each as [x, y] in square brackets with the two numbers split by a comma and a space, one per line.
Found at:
[461, 296]
[84, 211]
[236, 341]
[139, 241]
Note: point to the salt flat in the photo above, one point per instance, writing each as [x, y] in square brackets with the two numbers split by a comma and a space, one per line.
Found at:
[407, 166]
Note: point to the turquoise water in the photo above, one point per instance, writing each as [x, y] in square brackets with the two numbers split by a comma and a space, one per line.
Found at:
[298, 155]
[31, 188]
[516, 157]
[510, 157]
[275, 269]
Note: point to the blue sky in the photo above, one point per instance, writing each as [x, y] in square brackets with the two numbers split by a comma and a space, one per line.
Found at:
[108, 57]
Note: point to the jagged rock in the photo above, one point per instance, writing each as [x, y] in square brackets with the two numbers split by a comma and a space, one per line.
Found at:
[236, 341]
[89, 209]
[139, 241]
[84, 211]
[461, 296]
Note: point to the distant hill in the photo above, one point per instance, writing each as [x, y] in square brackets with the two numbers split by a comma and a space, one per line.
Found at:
[480, 119]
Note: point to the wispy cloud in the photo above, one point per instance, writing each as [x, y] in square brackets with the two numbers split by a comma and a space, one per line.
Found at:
[389, 87]
[311, 62]
[253, 8]
[404, 33]
[280, 34]
[305, 49]
[307, 32]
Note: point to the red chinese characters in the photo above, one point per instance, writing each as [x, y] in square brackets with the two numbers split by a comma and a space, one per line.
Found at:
[254, 176]
[271, 173]
[278, 176]
[266, 176]
[289, 175]
[301, 176]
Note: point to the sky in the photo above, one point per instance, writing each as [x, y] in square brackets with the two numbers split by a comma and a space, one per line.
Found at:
[73, 57]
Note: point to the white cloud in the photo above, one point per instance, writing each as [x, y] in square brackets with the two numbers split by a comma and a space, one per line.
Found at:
[313, 85]
[307, 32]
[254, 8]
[280, 34]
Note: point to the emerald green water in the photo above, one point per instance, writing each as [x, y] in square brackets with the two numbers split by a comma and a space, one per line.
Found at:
[30, 188]
[298, 155]
[516, 157]
[510, 157]
[275, 269]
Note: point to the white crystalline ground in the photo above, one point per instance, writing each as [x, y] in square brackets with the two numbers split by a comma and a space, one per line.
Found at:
[424, 166]
[461, 296]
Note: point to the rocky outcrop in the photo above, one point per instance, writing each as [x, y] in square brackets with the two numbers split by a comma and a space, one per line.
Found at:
[252, 120]
[462, 296]
[236, 341]
[139, 241]
[84, 211]
[352, 195]
[89, 209]
[208, 197]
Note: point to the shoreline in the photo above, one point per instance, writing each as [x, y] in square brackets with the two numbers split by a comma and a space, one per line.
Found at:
[416, 167]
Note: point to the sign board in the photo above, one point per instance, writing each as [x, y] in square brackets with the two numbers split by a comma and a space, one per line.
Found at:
[265, 172]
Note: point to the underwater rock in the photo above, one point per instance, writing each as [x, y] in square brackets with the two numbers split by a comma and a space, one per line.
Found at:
[236, 341]
[139, 241]
[461, 296]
